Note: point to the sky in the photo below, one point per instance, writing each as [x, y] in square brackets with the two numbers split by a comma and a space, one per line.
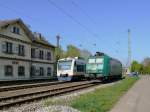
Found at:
[95, 25]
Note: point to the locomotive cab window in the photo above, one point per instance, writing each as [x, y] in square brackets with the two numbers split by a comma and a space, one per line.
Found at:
[64, 65]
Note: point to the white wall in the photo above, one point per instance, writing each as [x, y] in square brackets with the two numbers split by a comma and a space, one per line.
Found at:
[45, 66]
[8, 31]
[45, 54]
[27, 48]
[4, 62]
[27, 64]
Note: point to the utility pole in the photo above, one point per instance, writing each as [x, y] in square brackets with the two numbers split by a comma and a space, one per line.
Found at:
[58, 39]
[58, 47]
[129, 50]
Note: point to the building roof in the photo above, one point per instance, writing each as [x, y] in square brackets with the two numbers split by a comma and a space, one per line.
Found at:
[41, 40]
[32, 37]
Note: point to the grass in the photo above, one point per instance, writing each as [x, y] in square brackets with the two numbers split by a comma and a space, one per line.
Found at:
[100, 100]
[103, 99]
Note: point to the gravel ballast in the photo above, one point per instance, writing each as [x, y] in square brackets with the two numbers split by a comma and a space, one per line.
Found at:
[54, 104]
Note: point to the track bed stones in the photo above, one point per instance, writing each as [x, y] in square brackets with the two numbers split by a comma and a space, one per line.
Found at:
[11, 98]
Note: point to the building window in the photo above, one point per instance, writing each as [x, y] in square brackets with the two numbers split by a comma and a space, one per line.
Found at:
[41, 55]
[7, 47]
[21, 71]
[41, 71]
[49, 71]
[48, 55]
[32, 52]
[33, 71]
[21, 50]
[8, 70]
[16, 30]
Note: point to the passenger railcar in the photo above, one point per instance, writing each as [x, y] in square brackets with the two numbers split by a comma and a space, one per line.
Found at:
[69, 69]
[103, 67]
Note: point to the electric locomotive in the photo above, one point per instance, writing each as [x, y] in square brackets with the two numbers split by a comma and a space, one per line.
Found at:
[103, 67]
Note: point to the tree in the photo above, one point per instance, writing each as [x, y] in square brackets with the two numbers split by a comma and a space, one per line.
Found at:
[146, 65]
[146, 61]
[59, 53]
[143, 68]
[72, 51]
[136, 67]
[85, 53]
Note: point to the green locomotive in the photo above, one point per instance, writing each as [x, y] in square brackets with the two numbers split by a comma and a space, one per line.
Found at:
[103, 67]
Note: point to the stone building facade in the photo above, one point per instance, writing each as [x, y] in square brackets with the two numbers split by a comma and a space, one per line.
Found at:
[23, 54]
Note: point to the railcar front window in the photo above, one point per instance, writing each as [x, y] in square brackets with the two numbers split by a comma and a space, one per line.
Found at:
[64, 65]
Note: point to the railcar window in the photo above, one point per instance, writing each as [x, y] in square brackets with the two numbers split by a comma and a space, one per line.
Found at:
[91, 60]
[64, 65]
[80, 68]
[99, 60]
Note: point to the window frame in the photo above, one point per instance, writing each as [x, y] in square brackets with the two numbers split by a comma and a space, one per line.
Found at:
[49, 69]
[16, 30]
[7, 73]
[33, 70]
[9, 47]
[22, 71]
[41, 54]
[33, 53]
[21, 50]
[41, 71]
[49, 56]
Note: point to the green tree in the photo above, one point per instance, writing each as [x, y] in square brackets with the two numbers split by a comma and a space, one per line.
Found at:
[59, 53]
[146, 66]
[85, 53]
[136, 67]
[72, 51]
[143, 68]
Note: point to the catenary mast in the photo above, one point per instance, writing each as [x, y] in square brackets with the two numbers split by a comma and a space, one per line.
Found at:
[129, 50]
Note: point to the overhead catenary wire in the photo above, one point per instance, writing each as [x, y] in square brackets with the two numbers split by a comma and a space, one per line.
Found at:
[16, 11]
[83, 11]
[90, 18]
[72, 18]
[75, 20]
[93, 34]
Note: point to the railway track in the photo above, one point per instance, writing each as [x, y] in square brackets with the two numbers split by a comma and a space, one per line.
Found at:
[11, 98]
[25, 86]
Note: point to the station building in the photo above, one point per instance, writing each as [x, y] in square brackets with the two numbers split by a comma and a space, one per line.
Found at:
[24, 54]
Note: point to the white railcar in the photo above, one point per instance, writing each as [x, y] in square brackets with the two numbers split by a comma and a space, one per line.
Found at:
[69, 69]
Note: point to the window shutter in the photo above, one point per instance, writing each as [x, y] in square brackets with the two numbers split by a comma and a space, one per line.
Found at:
[24, 51]
[45, 55]
[15, 49]
[4, 47]
[36, 54]
[50, 55]
[12, 29]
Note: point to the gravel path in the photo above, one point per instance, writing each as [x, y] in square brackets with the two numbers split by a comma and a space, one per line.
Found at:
[137, 99]
[57, 104]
